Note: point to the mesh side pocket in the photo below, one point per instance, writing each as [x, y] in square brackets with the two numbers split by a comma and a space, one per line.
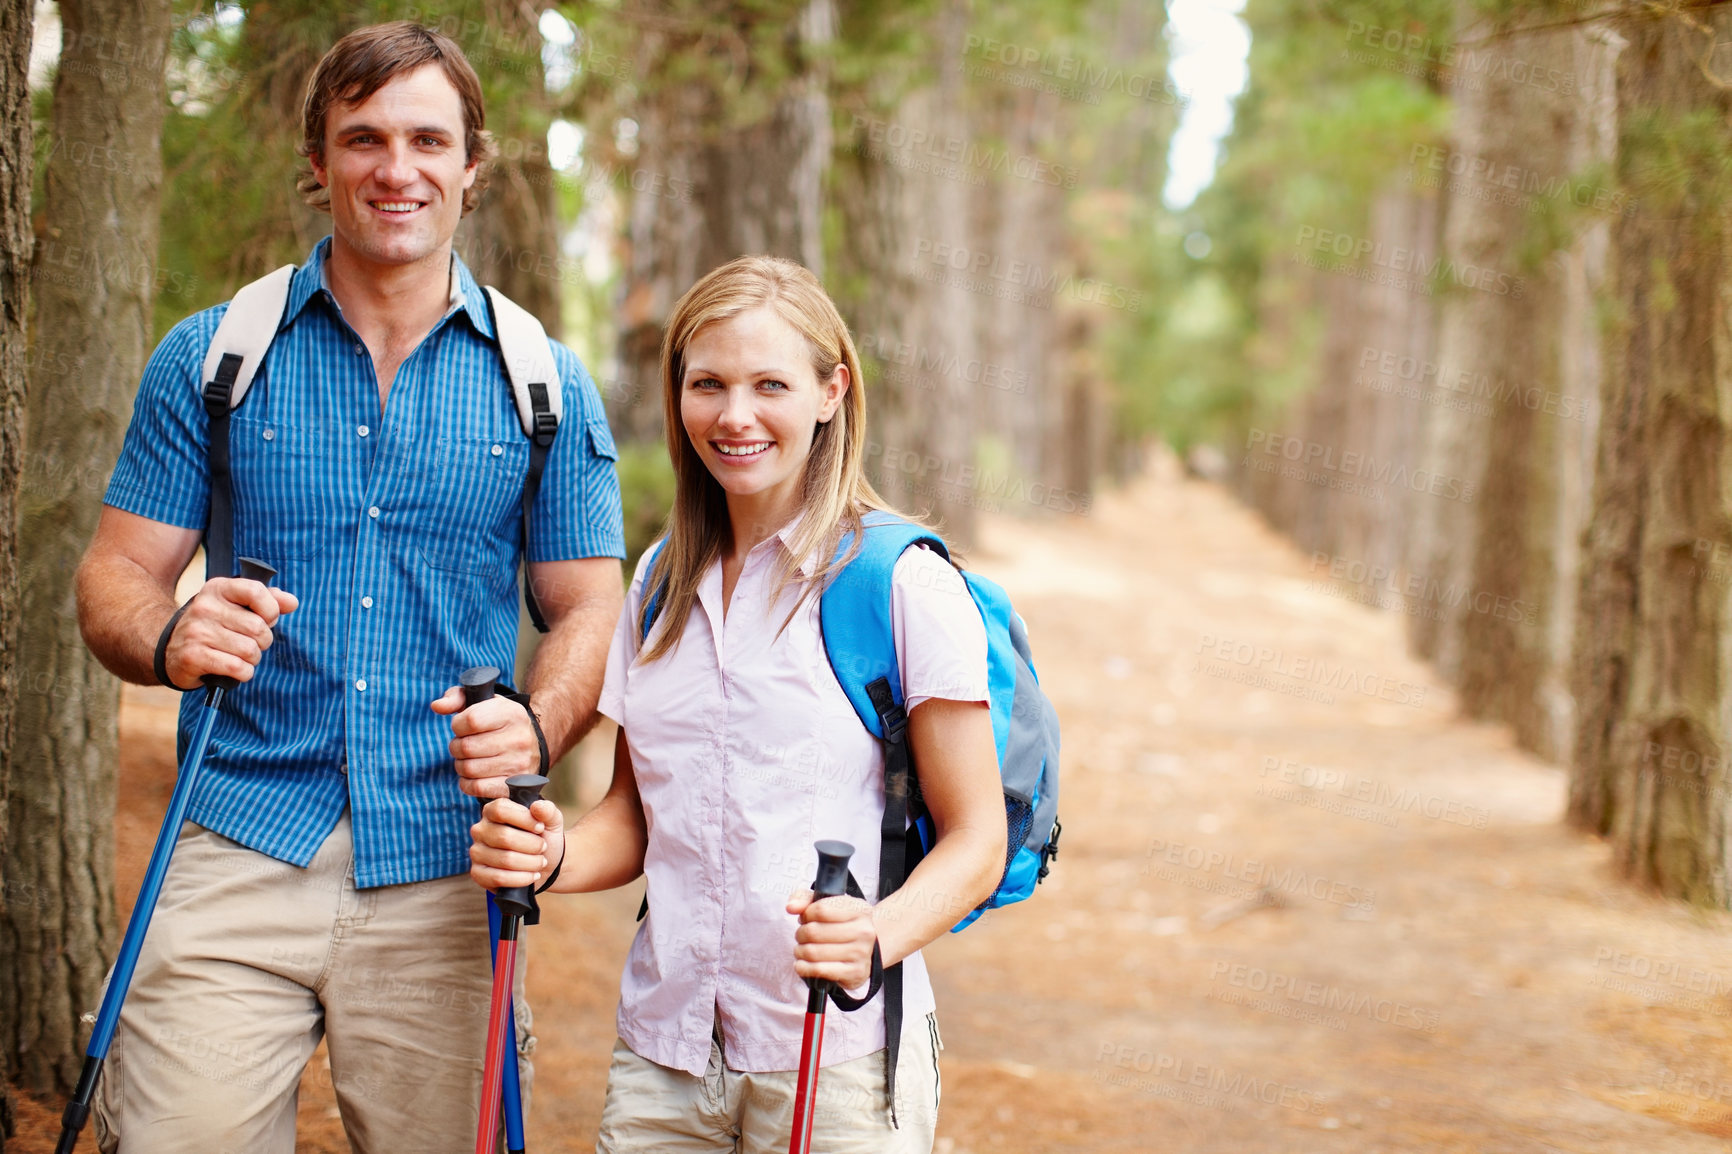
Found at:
[1018, 816]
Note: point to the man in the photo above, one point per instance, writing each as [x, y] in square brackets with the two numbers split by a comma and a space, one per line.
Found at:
[378, 464]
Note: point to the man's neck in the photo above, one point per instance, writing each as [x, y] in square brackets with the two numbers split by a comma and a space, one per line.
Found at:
[388, 304]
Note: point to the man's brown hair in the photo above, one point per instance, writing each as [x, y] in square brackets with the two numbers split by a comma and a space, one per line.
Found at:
[365, 61]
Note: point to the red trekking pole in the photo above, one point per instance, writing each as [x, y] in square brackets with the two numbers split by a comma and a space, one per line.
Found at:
[513, 904]
[832, 881]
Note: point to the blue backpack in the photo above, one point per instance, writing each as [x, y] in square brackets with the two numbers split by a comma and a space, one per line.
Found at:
[854, 615]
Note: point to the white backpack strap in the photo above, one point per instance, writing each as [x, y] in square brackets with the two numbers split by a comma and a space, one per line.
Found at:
[535, 387]
[242, 338]
[528, 362]
[247, 330]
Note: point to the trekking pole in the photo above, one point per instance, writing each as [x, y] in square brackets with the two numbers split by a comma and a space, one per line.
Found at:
[77, 1111]
[511, 905]
[478, 684]
[514, 902]
[513, 1092]
[832, 881]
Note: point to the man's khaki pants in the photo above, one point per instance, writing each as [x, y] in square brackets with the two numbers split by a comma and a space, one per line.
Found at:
[250, 961]
[652, 1109]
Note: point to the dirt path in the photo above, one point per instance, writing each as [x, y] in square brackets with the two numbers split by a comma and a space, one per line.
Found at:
[1299, 908]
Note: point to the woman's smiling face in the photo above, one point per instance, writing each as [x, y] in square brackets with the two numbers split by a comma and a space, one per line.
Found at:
[751, 403]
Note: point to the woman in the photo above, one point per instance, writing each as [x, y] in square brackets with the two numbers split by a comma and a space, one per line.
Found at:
[738, 748]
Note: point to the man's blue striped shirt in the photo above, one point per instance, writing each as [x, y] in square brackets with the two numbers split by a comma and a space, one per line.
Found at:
[401, 533]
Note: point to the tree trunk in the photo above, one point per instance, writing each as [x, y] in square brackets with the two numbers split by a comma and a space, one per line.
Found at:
[94, 272]
[1508, 340]
[699, 199]
[912, 312]
[1017, 351]
[1651, 676]
[1386, 424]
[1547, 720]
[16, 162]
[511, 240]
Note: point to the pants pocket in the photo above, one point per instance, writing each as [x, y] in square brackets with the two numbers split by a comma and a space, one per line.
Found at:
[937, 1047]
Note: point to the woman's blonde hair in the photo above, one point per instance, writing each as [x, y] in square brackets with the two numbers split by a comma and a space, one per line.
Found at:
[835, 491]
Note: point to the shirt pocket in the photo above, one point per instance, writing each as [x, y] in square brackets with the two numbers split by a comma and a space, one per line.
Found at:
[469, 519]
[601, 439]
[286, 485]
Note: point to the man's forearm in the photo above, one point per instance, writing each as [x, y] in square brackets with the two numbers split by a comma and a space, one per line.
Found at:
[565, 676]
[121, 611]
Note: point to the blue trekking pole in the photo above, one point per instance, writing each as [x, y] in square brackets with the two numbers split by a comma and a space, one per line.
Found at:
[478, 684]
[513, 1092]
[78, 1110]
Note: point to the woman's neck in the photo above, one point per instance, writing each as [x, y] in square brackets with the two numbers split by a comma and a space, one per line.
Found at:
[756, 517]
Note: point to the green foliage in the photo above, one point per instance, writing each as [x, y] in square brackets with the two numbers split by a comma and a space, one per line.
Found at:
[1678, 164]
[1328, 121]
[235, 86]
[1095, 74]
[646, 487]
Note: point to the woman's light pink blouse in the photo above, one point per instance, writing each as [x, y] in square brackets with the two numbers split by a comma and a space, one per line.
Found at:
[746, 751]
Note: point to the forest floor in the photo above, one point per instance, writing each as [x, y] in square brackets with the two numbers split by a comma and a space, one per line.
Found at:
[1287, 918]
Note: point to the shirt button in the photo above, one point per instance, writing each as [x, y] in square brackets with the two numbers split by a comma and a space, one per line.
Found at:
[359, 349]
[366, 602]
[270, 434]
[361, 685]
[498, 449]
[373, 512]
[362, 430]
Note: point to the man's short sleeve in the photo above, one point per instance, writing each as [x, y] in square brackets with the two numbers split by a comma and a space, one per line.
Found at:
[577, 510]
[163, 472]
[623, 650]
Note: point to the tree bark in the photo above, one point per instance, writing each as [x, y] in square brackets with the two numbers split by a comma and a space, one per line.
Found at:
[1547, 720]
[912, 313]
[1510, 341]
[701, 197]
[1651, 669]
[16, 163]
[94, 273]
[511, 239]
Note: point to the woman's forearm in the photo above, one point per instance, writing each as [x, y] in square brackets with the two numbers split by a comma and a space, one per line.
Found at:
[956, 876]
[604, 849]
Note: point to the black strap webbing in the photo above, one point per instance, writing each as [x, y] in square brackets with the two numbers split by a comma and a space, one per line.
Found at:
[893, 858]
[546, 425]
[845, 1001]
[219, 537]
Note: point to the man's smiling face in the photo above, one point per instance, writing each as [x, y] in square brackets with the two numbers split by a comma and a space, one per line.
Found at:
[396, 168]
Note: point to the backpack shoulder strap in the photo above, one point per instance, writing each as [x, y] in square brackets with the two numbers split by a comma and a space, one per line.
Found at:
[529, 363]
[854, 617]
[245, 333]
[231, 363]
[651, 593]
[540, 401]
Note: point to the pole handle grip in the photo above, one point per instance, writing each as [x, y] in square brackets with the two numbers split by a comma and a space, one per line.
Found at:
[524, 789]
[252, 569]
[832, 879]
[478, 683]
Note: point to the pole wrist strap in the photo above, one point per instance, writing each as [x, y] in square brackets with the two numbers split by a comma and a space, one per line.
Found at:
[534, 721]
[551, 878]
[160, 662]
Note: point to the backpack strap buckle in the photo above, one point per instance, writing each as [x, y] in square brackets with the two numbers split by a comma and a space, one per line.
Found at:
[546, 422]
[1049, 852]
[221, 386]
[891, 716]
